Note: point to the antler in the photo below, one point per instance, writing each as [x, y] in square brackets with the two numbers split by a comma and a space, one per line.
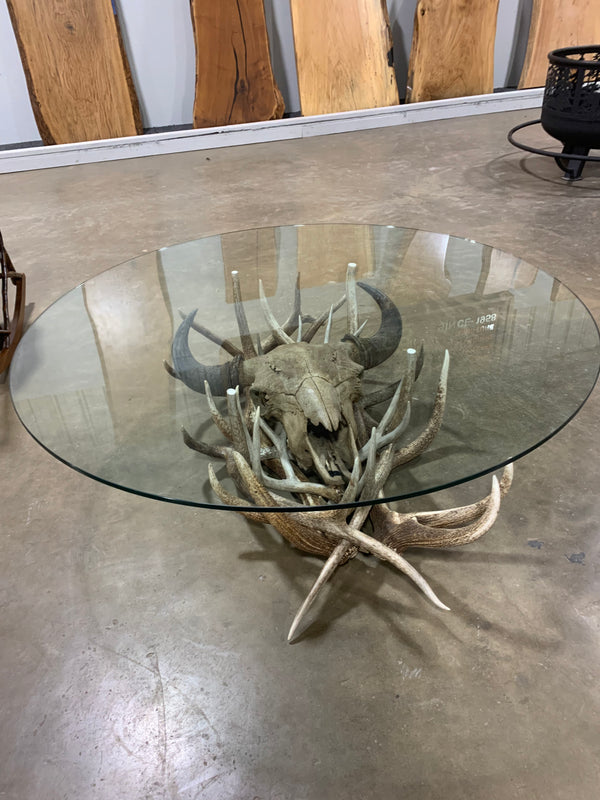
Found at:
[343, 488]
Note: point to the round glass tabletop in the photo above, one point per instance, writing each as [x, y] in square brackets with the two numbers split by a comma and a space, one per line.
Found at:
[89, 382]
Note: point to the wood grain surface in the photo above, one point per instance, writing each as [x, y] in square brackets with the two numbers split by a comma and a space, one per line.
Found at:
[452, 52]
[554, 24]
[344, 55]
[77, 72]
[234, 77]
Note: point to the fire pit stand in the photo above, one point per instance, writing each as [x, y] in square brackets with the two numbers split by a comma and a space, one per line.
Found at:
[570, 108]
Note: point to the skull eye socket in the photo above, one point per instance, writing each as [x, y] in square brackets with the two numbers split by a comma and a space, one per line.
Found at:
[259, 397]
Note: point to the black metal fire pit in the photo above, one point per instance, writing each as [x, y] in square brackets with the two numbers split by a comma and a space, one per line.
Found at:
[570, 108]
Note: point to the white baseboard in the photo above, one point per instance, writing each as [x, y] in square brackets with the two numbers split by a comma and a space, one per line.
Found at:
[61, 155]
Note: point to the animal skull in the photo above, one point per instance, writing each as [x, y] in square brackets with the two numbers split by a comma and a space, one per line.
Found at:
[311, 389]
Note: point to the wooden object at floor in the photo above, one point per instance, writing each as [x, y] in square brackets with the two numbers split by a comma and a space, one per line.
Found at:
[344, 55]
[11, 325]
[554, 24]
[452, 52]
[76, 69]
[234, 77]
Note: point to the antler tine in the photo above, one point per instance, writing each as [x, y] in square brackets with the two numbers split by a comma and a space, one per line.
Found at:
[395, 434]
[382, 437]
[464, 514]
[235, 414]
[309, 335]
[222, 424]
[231, 499]
[406, 531]
[370, 454]
[214, 451]
[291, 483]
[277, 330]
[228, 346]
[328, 328]
[382, 551]
[422, 442]
[352, 312]
[292, 322]
[335, 559]
[247, 343]
[408, 383]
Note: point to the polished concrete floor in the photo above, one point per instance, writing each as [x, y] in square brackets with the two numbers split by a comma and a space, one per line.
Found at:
[143, 645]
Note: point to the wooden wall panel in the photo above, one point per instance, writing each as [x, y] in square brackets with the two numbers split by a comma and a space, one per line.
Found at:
[554, 24]
[234, 77]
[76, 69]
[452, 51]
[343, 55]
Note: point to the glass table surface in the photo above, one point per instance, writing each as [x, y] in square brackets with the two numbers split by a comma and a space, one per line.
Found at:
[88, 379]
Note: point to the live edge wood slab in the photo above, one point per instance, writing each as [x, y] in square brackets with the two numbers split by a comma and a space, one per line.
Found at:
[344, 55]
[76, 68]
[554, 24]
[452, 52]
[234, 77]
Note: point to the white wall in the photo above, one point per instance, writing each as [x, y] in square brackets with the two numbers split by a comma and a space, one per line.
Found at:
[158, 38]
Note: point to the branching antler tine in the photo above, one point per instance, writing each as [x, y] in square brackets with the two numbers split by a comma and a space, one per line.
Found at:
[236, 421]
[422, 442]
[256, 486]
[280, 443]
[431, 536]
[328, 328]
[463, 514]
[299, 334]
[321, 320]
[351, 489]
[507, 479]
[214, 451]
[228, 346]
[297, 486]
[353, 446]
[359, 330]
[259, 347]
[408, 382]
[373, 485]
[383, 468]
[291, 483]
[392, 436]
[230, 499]
[290, 324]
[390, 411]
[361, 425]
[370, 453]
[219, 420]
[382, 551]
[255, 451]
[245, 336]
[332, 563]
[242, 418]
[276, 328]
[352, 311]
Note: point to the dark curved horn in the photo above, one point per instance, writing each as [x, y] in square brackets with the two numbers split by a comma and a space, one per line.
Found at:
[379, 347]
[219, 377]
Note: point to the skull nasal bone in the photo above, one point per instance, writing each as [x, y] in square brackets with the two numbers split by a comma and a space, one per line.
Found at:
[320, 402]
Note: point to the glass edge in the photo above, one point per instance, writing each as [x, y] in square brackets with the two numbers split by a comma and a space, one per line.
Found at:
[299, 509]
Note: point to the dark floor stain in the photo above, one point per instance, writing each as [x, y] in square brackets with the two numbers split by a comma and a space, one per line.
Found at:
[535, 543]
[576, 558]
